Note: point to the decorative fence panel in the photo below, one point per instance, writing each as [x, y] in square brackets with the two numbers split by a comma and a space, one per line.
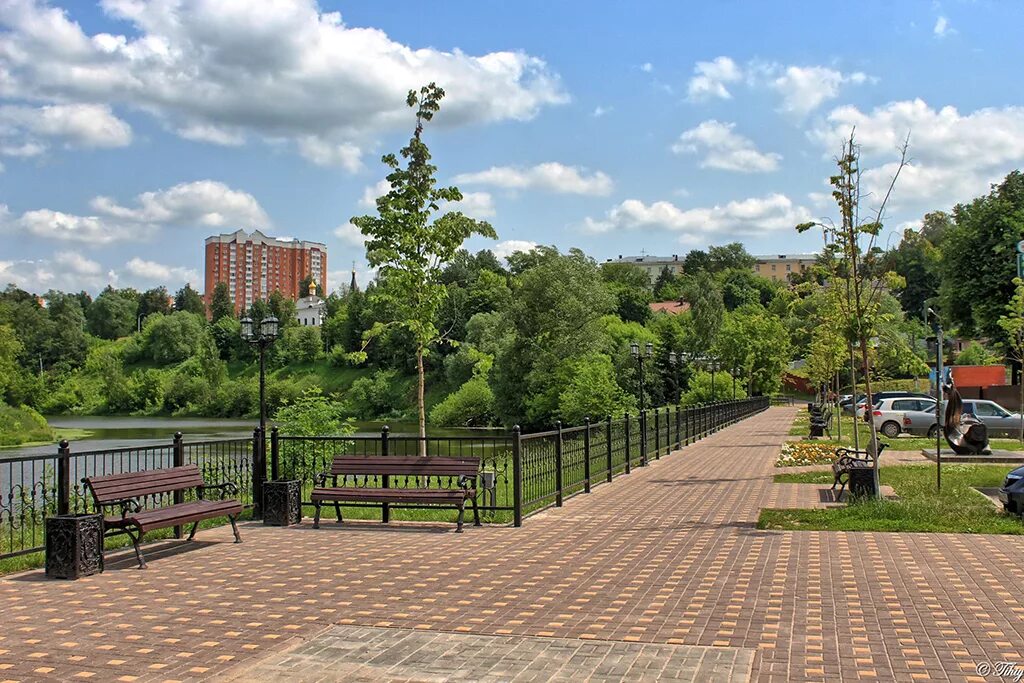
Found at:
[520, 473]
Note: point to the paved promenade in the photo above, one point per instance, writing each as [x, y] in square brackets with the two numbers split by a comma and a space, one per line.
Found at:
[667, 556]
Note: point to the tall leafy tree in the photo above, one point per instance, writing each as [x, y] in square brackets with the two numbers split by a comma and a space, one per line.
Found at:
[410, 247]
[189, 300]
[112, 314]
[155, 300]
[220, 303]
[729, 256]
[1012, 325]
[706, 308]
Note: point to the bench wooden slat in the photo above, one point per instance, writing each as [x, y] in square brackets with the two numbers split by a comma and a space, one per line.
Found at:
[401, 465]
[353, 493]
[114, 487]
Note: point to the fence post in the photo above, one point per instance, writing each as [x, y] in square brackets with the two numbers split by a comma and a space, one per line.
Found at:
[608, 449]
[643, 438]
[385, 508]
[657, 436]
[178, 454]
[679, 441]
[517, 476]
[63, 478]
[627, 442]
[558, 463]
[258, 472]
[586, 456]
[275, 454]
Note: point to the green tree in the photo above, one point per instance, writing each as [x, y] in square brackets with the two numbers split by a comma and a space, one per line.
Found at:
[408, 248]
[592, 391]
[706, 309]
[668, 286]
[173, 338]
[155, 300]
[472, 405]
[917, 261]
[221, 305]
[10, 349]
[631, 286]
[312, 414]
[1012, 325]
[732, 256]
[986, 231]
[976, 354]
[112, 314]
[283, 309]
[188, 299]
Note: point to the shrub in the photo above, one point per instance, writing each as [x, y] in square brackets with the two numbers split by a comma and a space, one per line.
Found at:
[374, 396]
[312, 414]
[592, 391]
[700, 388]
[471, 406]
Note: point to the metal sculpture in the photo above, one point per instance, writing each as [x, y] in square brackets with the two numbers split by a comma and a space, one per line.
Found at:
[965, 433]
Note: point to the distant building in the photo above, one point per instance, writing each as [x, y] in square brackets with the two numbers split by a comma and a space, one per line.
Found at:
[781, 266]
[653, 265]
[311, 310]
[670, 307]
[254, 265]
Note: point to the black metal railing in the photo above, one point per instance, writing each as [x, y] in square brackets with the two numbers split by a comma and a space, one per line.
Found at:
[562, 462]
[520, 473]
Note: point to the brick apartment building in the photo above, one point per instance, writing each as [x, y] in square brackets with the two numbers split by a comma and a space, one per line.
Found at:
[254, 265]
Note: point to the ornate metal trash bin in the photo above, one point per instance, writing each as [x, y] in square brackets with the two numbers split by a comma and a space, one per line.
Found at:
[281, 502]
[74, 546]
[862, 482]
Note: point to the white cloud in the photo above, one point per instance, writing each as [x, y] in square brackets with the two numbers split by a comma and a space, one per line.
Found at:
[478, 205]
[505, 249]
[372, 192]
[203, 202]
[753, 216]
[942, 27]
[600, 111]
[66, 271]
[217, 71]
[25, 131]
[953, 156]
[551, 176]
[725, 149]
[151, 271]
[805, 88]
[647, 67]
[710, 79]
[350, 234]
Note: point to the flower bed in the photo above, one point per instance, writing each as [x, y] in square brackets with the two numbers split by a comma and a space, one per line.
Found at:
[799, 453]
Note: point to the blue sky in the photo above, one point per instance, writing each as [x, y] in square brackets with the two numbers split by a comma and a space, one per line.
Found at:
[129, 131]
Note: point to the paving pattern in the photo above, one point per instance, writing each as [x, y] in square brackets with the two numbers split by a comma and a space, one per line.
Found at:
[669, 554]
[358, 653]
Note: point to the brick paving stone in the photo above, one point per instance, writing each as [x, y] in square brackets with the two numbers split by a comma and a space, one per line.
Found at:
[668, 555]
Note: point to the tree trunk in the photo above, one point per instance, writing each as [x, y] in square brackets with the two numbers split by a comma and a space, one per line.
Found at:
[421, 382]
[873, 444]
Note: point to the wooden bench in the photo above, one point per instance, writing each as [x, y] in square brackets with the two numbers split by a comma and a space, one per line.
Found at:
[850, 465]
[384, 470]
[124, 491]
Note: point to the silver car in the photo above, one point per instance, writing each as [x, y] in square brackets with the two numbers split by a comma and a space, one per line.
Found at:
[1000, 422]
[921, 422]
[888, 414]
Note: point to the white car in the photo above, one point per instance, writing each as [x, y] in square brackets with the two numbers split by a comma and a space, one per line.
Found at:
[888, 413]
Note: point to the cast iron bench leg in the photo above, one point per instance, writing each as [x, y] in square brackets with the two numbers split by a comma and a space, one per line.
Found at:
[135, 544]
[192, 533]
[337, 510]
[462, 511]
[316, 515]
[234, 528]
[476, 513]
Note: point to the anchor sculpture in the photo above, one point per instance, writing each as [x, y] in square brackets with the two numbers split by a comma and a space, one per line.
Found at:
[965, 433]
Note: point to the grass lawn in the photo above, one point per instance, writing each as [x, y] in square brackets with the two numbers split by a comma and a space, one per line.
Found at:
[959, 508]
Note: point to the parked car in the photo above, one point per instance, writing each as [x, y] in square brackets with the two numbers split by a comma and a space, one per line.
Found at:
[888, 413]
[1012, 492]
[999, 421]
[921, 422]
[881, 395]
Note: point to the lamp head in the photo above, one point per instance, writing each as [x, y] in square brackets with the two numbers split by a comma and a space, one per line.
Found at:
[246, 328]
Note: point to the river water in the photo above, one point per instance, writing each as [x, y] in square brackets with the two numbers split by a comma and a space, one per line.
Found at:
[122, 432]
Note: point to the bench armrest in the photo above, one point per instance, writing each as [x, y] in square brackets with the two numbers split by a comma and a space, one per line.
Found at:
[227, 488]
[321, 478]
[466, 480]
[127, 505]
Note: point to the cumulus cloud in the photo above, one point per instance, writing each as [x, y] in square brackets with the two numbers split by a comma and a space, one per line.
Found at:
[217, 71]
[725, 149]
[151, 271]
[205, 202]
[474, 204]
[747, 217]
[350, 235]
[802, 88]
[550, 176]
[805, 88]
[953, 156]
[942, 27]
[66, 271]
[26, 131]
[647, 67]
[711, 78]
[505, 249]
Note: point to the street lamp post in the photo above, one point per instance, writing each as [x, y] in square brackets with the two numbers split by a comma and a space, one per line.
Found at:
[938, 399]
[261, 335]
[634, 350]
[673, 360]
